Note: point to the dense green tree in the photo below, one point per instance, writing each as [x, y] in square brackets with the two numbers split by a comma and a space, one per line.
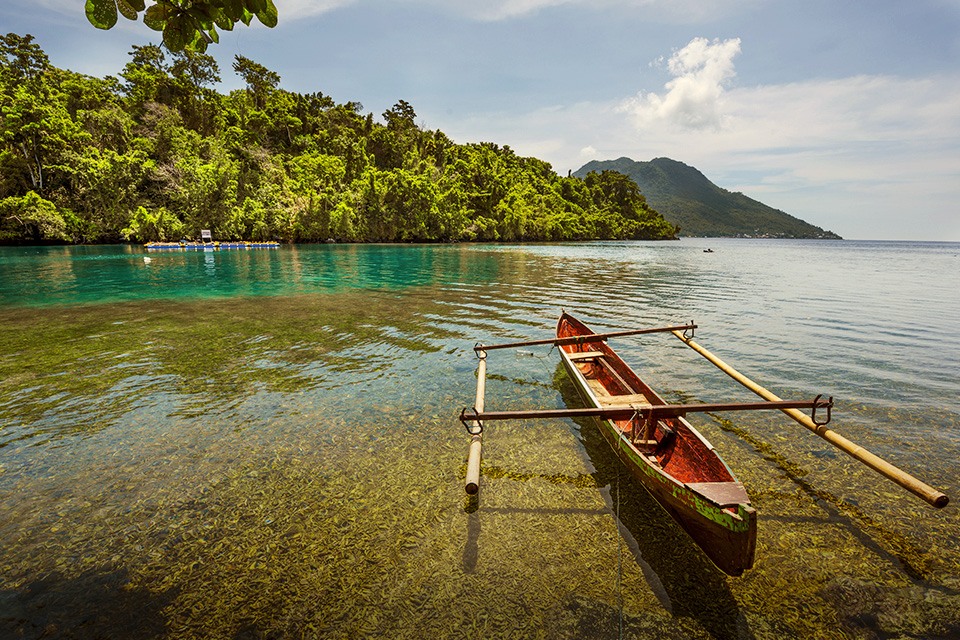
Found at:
[159, 154]
[21, 60]
[148, 227]
[192, 72]
[146, 77]
[31, 216]
[400, 117]
[260, 80]
[25, 112]
[195, 70]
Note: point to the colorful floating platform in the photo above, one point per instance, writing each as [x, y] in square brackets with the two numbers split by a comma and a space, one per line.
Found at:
[209, 246]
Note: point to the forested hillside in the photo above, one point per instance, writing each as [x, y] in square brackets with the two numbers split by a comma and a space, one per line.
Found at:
[687, 198]
[158, 154]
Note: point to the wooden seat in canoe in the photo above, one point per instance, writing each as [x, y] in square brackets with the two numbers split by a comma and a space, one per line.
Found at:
[722, 493]
[635, 399]
[585, 355]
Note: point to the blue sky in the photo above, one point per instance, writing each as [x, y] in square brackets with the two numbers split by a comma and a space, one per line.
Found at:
[844, 114]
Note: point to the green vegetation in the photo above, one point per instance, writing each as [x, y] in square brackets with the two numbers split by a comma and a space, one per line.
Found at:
[158, 154]
[688, 199]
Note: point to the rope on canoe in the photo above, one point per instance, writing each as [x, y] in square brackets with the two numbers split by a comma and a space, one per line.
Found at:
[619, 553]
[543, 361]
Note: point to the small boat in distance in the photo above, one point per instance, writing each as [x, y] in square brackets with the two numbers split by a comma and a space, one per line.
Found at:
[668, 456]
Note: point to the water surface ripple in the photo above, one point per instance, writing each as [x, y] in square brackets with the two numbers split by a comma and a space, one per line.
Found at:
[246, 444]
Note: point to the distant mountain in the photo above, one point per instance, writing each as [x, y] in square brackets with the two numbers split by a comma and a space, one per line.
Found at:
[685, 197]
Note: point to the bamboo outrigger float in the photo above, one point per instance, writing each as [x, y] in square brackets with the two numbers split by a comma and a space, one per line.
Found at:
[920, 489]
[672, 460]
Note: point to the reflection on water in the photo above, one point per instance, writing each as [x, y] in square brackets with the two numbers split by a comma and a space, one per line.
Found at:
[265, 444]
[39, 276]
[686, 582]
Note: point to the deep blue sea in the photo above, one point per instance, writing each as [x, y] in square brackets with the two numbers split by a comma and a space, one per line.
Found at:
[264, 443]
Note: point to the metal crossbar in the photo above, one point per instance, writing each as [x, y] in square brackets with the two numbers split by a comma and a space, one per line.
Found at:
[654, 412]
[585, 339]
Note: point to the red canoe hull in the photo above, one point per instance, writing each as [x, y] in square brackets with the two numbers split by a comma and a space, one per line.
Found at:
[680, 470]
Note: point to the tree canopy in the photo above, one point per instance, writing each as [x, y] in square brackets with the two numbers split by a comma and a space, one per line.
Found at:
[185, 24]
[158, 154]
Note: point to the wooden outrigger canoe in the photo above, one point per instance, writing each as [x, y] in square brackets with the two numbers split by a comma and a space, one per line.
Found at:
[668, 456]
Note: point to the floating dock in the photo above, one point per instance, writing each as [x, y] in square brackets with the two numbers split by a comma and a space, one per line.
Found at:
[209, 246]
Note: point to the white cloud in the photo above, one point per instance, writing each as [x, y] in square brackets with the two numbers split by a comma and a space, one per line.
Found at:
[694, 98]
[489, 10]
[293, 9]
[672, 11]
[61, 6]
[503, 9]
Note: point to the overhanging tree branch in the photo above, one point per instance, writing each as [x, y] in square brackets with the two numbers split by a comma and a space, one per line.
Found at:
[186, 24]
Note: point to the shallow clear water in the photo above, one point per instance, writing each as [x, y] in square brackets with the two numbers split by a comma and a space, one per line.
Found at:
[264, 443]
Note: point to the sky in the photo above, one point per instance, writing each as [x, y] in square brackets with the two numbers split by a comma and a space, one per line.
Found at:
[845, 114]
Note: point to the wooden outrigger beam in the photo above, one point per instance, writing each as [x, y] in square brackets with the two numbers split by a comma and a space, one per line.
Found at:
[647, 412]
[595, 337]
[878, 464]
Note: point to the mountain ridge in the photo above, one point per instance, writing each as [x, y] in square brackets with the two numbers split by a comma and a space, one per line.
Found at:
[686, 197]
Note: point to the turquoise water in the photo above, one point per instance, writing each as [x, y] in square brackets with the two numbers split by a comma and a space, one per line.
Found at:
[263, 443]
[40, 276]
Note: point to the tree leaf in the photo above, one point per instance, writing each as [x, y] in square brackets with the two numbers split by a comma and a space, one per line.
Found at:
[222, 20]
[126, 10]
[157, 16]
[199, 42]
[178, 32]
[201, 16]
[256, 6]
[233, 9]
[101, 13]
[269, 15]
